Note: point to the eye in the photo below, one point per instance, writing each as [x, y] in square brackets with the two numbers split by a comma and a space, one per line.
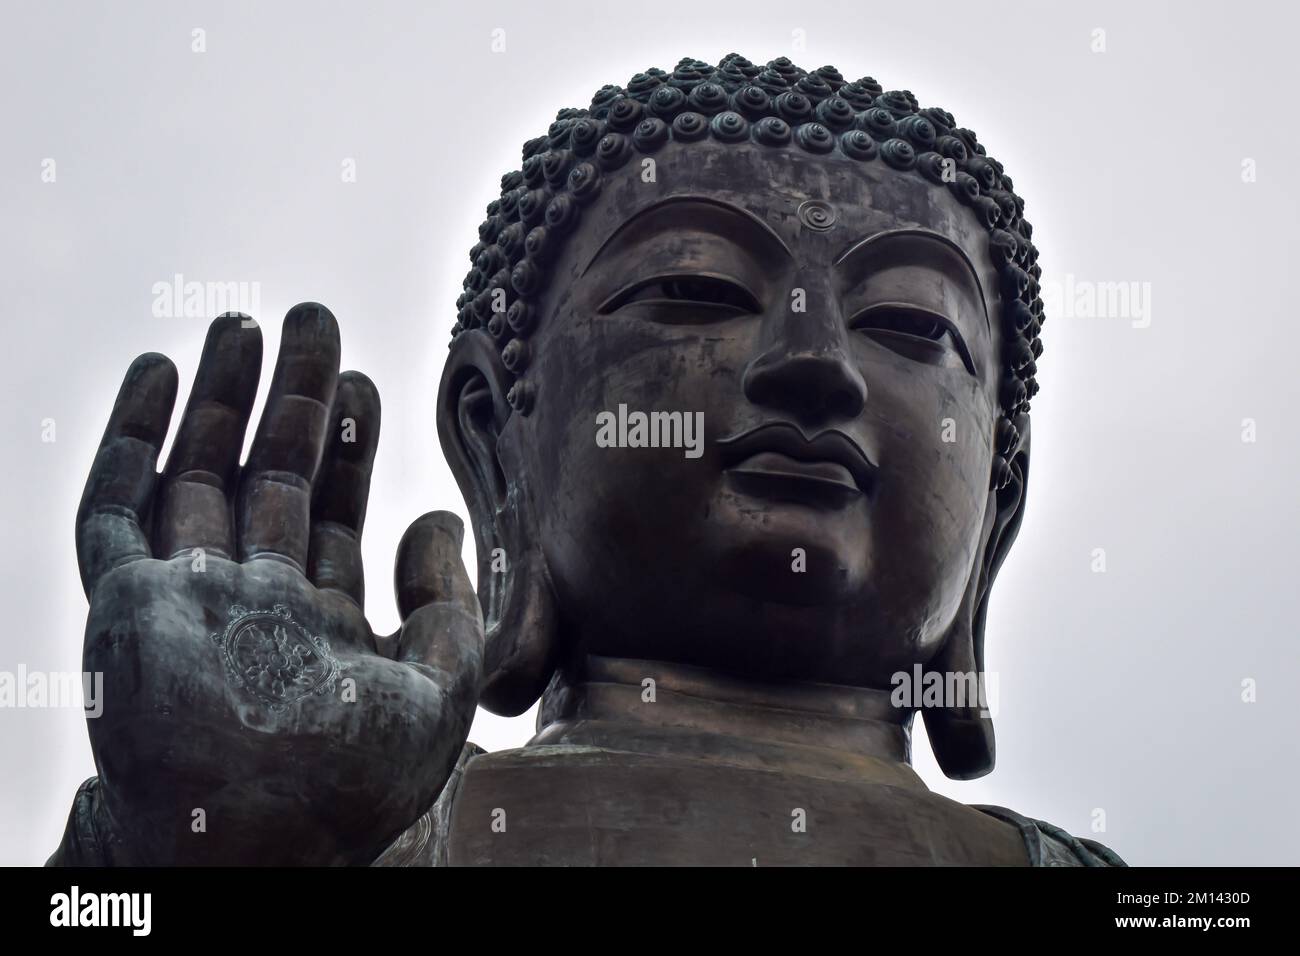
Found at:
[914, 333]
[901, 320]
[704, 295]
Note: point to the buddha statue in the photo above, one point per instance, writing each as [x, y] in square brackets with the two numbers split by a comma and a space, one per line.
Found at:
[738, 399]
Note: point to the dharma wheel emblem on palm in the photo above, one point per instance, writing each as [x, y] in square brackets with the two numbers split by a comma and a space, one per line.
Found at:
[274, 658]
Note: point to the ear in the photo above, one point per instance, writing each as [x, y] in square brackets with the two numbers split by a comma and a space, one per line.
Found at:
[962, 737]
[514, 587]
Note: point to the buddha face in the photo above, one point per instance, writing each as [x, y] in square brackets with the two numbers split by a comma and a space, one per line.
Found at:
[819, 338]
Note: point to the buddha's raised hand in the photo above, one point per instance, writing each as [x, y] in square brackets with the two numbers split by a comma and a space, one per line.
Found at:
[250, 715]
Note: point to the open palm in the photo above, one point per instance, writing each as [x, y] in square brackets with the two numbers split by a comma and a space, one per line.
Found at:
[250, 714]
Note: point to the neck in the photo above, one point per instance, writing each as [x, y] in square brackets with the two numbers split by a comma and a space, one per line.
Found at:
[690, 713]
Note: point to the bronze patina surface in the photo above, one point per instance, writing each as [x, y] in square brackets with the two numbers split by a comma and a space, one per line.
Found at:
[738, 400]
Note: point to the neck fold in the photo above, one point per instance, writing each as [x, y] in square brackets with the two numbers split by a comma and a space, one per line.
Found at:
[691, 713]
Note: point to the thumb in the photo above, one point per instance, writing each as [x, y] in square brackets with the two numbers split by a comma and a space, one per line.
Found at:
[442, 623]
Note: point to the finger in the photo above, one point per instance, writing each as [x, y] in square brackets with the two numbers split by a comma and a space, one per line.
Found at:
[442, 627]
[342, 489]
[110, 520]
[274, 508]
[442, 621]
[198, 484]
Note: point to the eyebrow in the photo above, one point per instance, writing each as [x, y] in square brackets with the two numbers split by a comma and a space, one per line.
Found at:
[871, 243]
[716, 216]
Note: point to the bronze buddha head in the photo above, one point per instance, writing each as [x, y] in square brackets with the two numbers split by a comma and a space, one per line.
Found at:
[741, 380]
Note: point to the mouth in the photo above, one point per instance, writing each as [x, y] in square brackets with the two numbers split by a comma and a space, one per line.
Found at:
[776, 460]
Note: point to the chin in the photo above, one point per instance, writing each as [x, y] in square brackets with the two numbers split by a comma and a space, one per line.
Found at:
[789, 553]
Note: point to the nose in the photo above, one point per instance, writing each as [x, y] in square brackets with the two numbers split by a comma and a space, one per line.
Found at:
[804, 368]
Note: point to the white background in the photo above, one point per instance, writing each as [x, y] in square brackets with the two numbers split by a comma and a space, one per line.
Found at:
[1118, 690]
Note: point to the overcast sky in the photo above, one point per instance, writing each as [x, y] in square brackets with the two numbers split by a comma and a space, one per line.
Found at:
[1118, 690]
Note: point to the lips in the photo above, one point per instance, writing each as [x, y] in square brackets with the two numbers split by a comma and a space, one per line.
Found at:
[777, 460]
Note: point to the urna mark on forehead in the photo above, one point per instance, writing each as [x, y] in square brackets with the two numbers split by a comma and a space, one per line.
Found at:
[778, 106]
[815, 212]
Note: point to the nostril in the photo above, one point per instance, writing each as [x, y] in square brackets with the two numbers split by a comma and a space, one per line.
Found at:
[848, 401]
[811, 385]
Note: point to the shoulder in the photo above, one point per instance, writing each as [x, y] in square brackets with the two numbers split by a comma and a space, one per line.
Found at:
[1049, 845]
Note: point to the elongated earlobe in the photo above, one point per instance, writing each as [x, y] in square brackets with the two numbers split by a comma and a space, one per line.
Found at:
[962, 737]
[514, 586]
[521, 639]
